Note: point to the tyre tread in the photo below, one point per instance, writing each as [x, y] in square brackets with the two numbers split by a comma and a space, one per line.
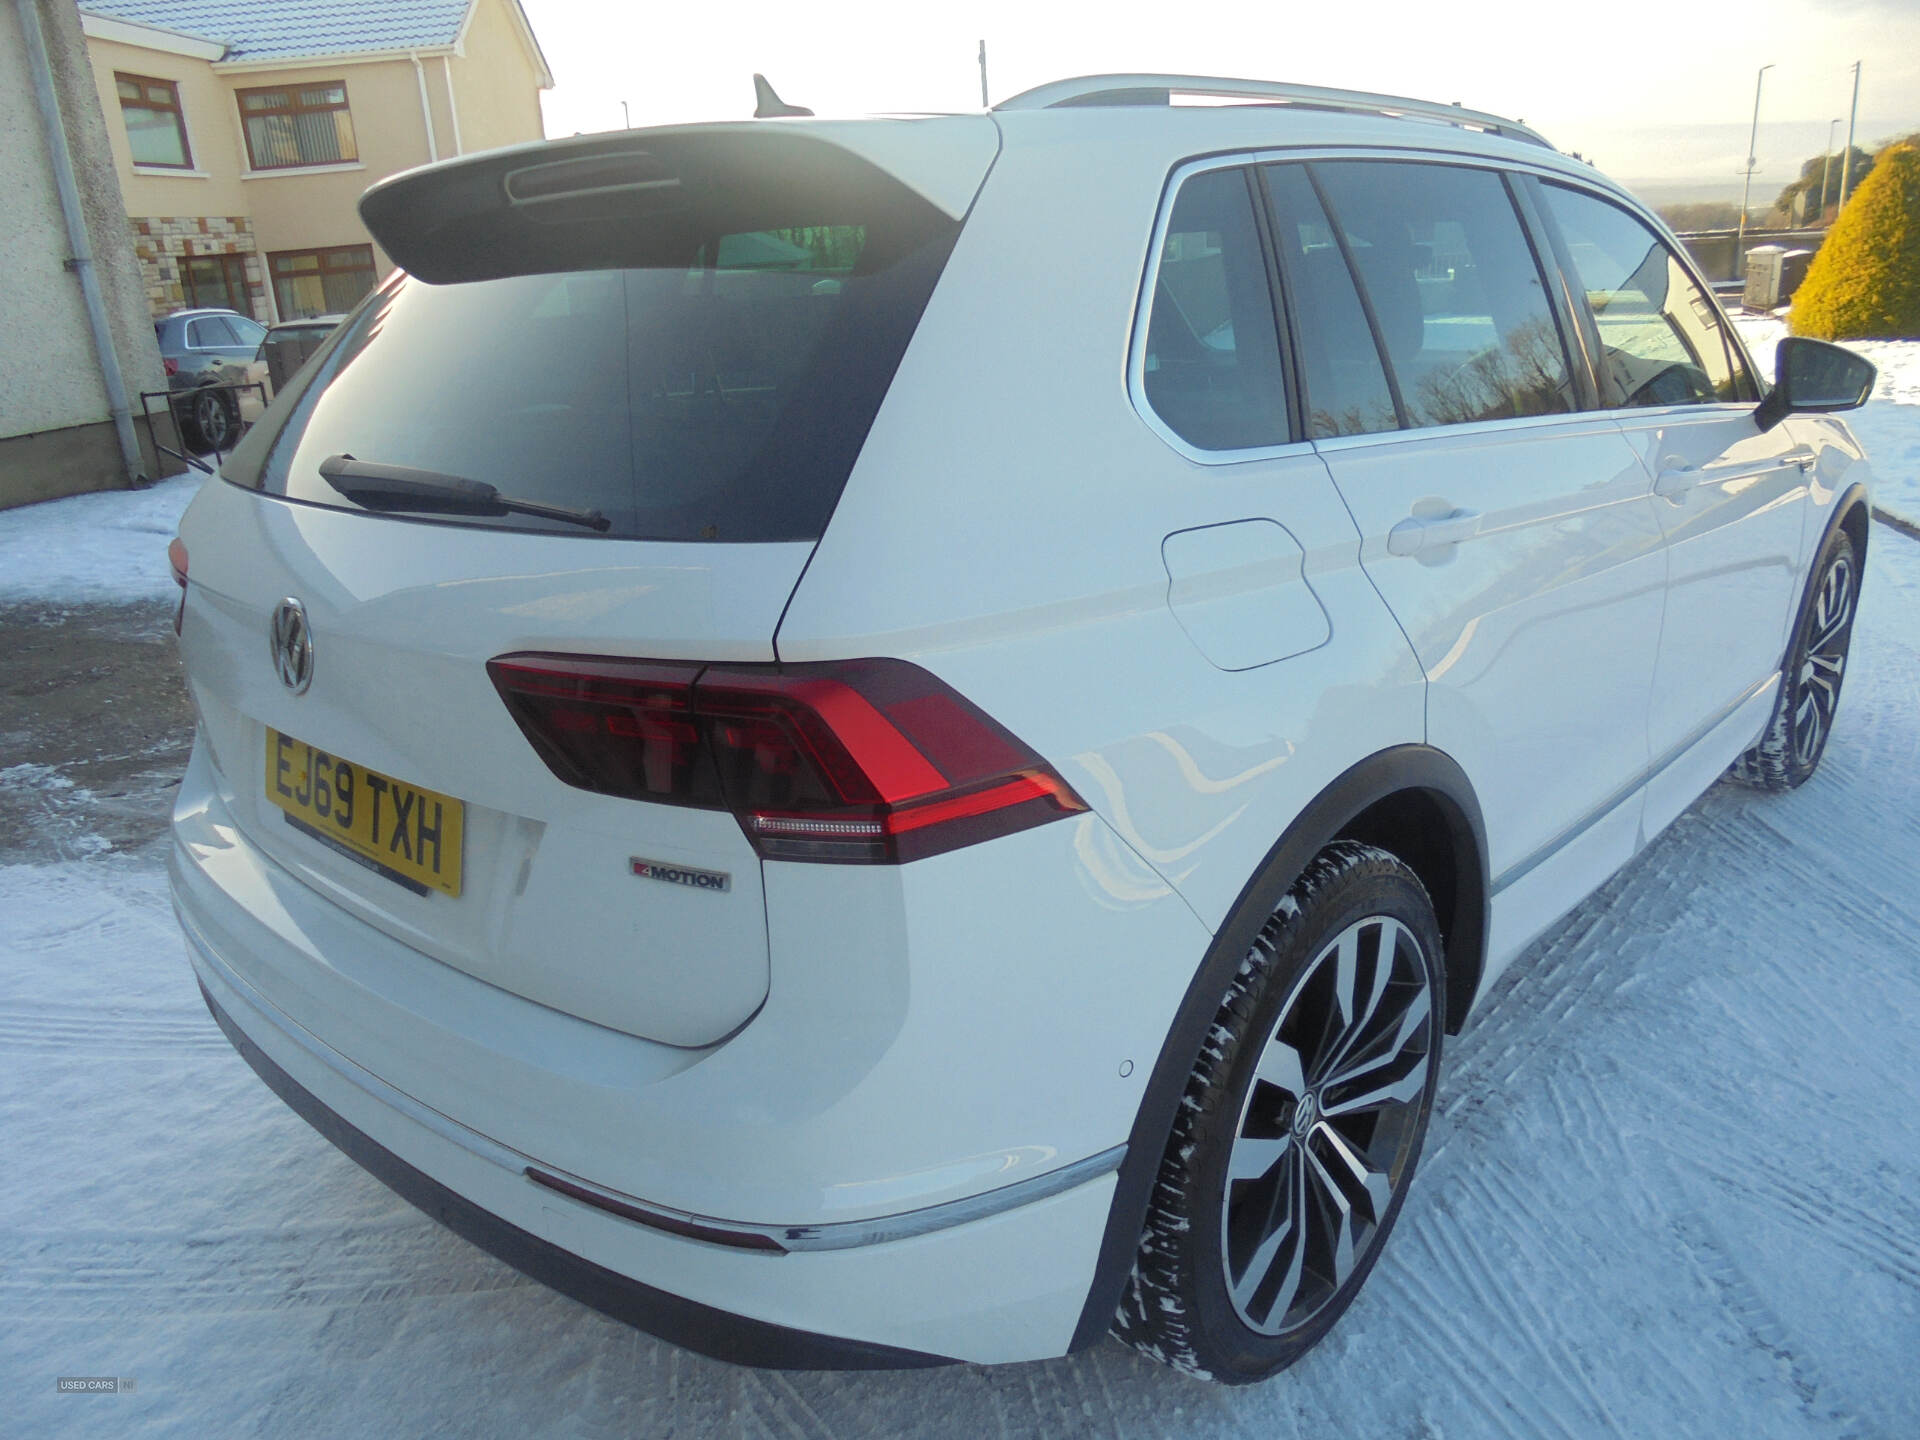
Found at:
[1155, 1315]
[1769, 763]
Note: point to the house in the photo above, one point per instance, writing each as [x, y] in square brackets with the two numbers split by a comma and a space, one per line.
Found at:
[76, 345]
[244, 131]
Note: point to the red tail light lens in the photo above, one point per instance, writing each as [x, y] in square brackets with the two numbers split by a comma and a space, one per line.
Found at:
[864, 761]
[170, 364]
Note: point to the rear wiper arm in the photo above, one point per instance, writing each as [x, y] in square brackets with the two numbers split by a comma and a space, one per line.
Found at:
[380, 486]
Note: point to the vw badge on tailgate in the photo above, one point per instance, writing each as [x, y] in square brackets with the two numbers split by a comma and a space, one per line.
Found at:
[292, 646]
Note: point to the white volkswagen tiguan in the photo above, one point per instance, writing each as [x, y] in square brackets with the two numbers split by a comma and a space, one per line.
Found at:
[876, 742]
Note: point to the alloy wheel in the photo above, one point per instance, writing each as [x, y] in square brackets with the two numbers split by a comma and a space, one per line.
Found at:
[1328, 1124]
[214, 420]
[1817, 685]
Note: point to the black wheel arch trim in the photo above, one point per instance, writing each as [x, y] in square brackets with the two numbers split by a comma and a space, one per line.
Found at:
[673, 1318]
[1381, 775]
[1853, 501]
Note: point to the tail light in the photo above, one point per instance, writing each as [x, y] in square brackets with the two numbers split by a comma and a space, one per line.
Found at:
[177, 562]
[860, 761]
[170, 364]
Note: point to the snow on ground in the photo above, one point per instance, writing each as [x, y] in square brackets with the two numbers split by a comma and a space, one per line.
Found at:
[106, 548]
[1672, 1186]
[1888, 425]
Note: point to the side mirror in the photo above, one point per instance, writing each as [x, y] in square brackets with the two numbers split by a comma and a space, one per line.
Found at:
[1813, 377]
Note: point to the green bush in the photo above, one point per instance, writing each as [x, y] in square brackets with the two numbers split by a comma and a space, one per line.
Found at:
[1865, 282]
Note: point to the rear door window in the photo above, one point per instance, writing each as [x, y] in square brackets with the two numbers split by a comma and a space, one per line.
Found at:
[1456, 292]
[211, 332]
[1662, 338]
[1346, 385]
[723, 396]
[1211, 369]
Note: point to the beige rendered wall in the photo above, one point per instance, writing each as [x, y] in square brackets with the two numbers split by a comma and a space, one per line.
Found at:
[213, 186]
[177, 213]
[50, 376]
[495, 83]
[306, 209]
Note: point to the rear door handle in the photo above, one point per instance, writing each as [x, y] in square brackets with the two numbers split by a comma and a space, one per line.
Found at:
[1419, 534]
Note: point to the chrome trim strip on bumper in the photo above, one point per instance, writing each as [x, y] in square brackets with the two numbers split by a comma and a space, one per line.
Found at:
[765, 1239]
[838, 1234]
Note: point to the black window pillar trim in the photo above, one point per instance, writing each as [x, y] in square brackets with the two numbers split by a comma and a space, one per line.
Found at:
[1360, 289]
[1285, 319]
[1539, 219]
[1579, 333]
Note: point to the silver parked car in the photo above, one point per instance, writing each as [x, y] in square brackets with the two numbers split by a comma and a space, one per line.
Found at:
[203, 349]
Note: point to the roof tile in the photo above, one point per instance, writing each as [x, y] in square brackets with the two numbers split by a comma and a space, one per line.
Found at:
[292, 29]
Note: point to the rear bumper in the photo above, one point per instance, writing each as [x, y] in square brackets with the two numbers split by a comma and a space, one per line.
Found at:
[686, 1323]
[1008, 1287]
[451, 1090]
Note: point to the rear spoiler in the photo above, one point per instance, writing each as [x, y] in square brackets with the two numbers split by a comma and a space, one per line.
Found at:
[633, 198]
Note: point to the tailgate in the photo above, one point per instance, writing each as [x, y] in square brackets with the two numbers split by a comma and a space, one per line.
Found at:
[402, 625]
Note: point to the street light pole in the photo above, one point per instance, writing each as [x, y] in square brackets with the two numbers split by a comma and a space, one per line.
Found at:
[626, 115]
[985, 104]
[1746, 190]
[1826, 169]
[1846, 160]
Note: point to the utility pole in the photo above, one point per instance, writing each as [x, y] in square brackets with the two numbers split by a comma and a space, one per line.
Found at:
[1826, 169]
[1846, 160]
[1746, 190]
[985, 104]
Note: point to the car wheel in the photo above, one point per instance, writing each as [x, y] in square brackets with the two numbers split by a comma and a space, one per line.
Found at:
[1789, 749]
[1300, 1127]
[212, 423]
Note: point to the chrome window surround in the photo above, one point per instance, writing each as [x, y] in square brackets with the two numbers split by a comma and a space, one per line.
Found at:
[1464, 159]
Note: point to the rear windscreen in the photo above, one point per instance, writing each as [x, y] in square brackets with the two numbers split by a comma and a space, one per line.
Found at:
[722, 396]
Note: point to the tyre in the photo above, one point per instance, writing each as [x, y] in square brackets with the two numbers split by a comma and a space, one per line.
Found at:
[1300, 1127]
[209, 421]
[1789, 749]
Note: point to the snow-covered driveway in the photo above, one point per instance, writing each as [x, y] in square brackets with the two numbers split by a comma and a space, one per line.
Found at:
[1672, 1188]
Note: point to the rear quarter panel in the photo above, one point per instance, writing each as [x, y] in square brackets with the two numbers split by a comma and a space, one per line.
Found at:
[1004, 529]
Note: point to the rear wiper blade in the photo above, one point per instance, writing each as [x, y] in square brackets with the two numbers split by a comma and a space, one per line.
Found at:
[380, 486]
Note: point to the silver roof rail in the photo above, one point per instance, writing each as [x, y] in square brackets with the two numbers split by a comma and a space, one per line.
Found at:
[1160, 90]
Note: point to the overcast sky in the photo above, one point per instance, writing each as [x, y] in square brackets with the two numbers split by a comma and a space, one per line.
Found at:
[1654, 90]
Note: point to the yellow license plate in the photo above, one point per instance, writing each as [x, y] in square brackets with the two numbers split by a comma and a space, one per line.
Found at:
[406, 833]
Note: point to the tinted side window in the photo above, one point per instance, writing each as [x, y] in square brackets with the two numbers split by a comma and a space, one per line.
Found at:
[1459, 298]
[1212, 367]
[1346, 385]
[1661, 336]
[210, 332]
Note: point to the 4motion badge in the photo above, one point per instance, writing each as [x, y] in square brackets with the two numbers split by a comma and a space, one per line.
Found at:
[681, 875]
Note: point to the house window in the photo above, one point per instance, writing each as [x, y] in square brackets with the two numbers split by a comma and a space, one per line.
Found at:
[320, 282]
[216, 282]
[156, 130]
[298, 125]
